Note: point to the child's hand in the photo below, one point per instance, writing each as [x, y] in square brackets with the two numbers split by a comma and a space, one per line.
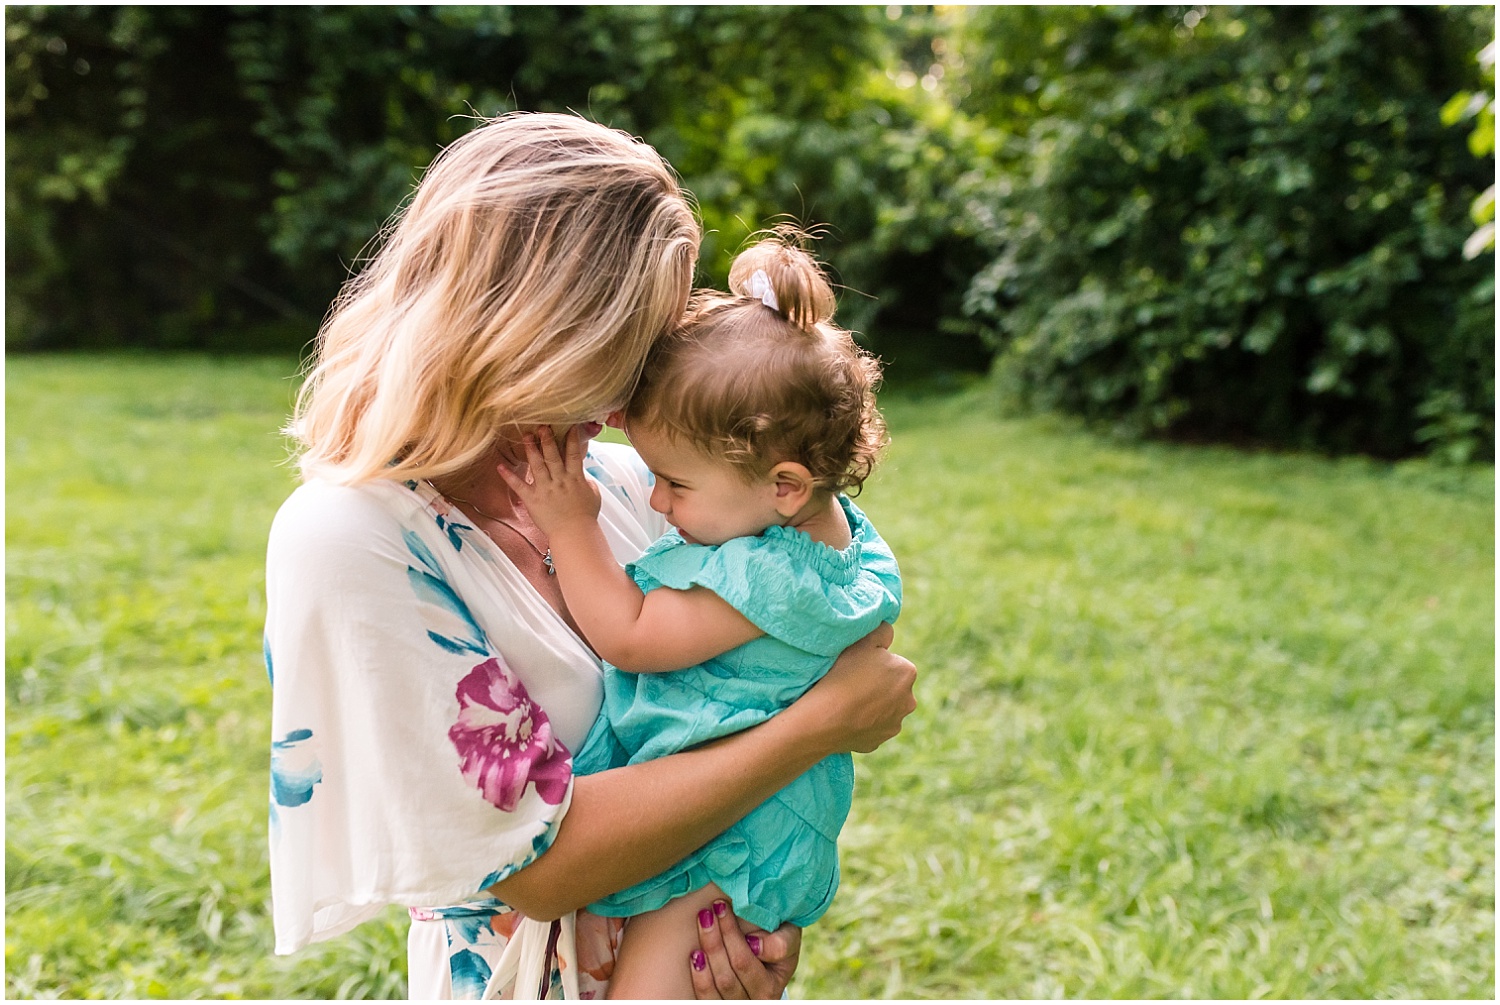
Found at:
[558, 495]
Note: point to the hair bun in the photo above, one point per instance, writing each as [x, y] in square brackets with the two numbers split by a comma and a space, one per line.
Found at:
[799, 288]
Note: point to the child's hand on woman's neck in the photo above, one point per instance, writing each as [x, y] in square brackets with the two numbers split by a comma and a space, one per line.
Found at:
[483, 486]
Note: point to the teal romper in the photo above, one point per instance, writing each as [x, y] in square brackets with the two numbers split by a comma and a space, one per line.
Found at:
[780, 863]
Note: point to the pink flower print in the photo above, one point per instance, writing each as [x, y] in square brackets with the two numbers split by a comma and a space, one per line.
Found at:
[504, 740]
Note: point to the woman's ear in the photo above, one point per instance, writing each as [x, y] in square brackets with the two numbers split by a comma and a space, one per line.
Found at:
[794, 487]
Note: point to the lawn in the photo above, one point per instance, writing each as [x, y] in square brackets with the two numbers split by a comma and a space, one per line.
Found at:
[1193, 722]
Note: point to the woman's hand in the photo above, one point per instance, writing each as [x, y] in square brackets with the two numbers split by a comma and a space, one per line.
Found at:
[557, 494]
[736, 961]
[860, 703]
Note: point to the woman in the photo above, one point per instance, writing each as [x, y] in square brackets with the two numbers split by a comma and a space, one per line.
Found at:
[429, 681]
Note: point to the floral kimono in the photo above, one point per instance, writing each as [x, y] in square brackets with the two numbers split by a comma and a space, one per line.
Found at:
[425, 703]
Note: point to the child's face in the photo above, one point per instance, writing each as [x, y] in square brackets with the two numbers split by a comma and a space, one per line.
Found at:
[707, 500]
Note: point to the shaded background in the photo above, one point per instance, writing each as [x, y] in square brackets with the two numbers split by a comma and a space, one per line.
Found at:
[1236, 223]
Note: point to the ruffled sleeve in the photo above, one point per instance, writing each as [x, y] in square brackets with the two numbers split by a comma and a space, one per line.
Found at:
[770, 578]
[409, 764]
[878, 559]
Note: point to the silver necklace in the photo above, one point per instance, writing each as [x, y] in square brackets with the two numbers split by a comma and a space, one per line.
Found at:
[545, 555]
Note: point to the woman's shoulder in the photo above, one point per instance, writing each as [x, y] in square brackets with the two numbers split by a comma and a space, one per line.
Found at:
[316, 497]
[321, 515]
[316, 501]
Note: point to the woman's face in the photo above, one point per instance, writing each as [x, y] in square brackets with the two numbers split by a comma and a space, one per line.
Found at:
[586, 431]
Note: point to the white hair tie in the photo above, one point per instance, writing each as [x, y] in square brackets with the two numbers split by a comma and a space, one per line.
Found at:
[761, 289]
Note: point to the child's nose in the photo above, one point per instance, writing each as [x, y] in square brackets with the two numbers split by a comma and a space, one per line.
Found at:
[659, 499]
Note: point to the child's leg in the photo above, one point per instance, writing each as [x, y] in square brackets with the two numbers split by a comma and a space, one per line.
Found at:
[654, 953]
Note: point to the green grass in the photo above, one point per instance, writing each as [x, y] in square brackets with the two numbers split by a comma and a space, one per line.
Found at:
[1193, 722]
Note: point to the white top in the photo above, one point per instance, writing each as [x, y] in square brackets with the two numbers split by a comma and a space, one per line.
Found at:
[425, 698]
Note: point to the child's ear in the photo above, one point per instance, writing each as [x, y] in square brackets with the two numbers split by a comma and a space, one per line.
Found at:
[794, 486]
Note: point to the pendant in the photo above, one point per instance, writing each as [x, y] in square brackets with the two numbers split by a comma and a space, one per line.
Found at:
[547, 561]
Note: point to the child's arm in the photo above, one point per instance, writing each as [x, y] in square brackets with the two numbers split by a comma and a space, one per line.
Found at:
[639, 632]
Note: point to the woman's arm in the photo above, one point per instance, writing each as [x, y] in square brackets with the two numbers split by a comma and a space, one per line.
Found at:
[628, 824]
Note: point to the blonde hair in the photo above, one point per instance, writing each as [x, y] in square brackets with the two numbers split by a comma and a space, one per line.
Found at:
[539, 259]
[757, 385]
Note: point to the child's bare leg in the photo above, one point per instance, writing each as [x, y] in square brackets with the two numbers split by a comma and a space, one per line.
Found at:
[655, 950]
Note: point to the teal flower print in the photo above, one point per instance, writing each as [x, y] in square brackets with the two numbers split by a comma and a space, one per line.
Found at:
[294, 769]
[426, 578]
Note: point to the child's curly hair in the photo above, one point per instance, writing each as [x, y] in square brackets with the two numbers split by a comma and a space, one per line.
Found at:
[758, 384]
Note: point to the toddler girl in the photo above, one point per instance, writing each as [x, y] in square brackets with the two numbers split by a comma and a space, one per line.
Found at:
[754, 416]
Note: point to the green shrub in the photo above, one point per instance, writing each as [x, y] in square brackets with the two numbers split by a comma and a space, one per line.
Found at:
[1244, 223]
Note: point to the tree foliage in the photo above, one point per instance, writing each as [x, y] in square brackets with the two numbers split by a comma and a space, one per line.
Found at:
[1242, 222]
[1481, 108]
[173, 172]
[1230, 222]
